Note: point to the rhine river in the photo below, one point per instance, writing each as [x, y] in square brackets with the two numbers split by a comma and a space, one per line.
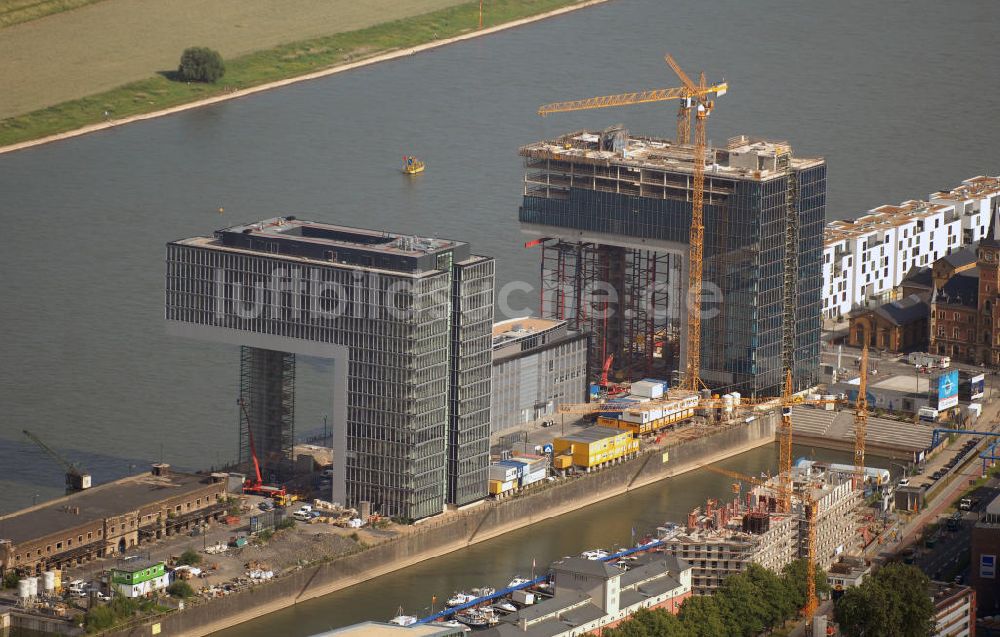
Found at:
[899, 97]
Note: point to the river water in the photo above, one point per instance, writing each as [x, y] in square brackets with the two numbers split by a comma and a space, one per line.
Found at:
[900, 97]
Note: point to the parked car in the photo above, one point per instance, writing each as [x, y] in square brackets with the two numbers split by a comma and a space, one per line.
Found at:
[265, 505]
[904, 482]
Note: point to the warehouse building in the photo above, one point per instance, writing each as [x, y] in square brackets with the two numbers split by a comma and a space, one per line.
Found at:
[537, 365]
[593, 448]
[404, 322]
[109, 519]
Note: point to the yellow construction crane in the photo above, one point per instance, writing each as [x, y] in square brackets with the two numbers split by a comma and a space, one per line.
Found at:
[809, 514]
[861, 421]
[785, 444]
[696, 96]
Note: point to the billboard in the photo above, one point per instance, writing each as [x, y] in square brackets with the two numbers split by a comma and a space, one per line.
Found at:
[987, 566]
[947, 393]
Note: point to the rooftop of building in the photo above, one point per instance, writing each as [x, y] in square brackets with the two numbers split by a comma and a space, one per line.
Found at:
[515, 329]
[743, 157]
[380, 629]
[559, 618]
[592, 434]
[945, 594]
[904, 311]
[882, 218]
[583, 566]
[888, 216]
[95, 504]
[974, 188]
[326, 243]
[654, 565]
[135, 563]
[921, 277]
[960, 258]
[960, 290]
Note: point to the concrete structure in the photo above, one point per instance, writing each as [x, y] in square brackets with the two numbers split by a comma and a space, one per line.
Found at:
[612, 213]
[724, 538]
[864, 260]
[717, 544]
[837, 521]
[406, 323]
[985, 550]
[591, 595]
[108, 519]
[896, 326]
[537, 364]
[954, 610]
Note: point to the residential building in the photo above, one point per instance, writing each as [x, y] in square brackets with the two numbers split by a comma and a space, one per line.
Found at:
[537, 365]
[611, 213]
[405, 324]
[864, 260]
[592, 595]
[985, 549]
[954, 610]
[847, 572]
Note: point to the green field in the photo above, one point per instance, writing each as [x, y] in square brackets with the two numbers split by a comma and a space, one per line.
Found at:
[284, 61]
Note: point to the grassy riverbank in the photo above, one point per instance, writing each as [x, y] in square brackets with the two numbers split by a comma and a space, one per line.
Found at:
[282, 62]
[17, 11]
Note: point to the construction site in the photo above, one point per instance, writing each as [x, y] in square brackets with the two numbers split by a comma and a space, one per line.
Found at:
[723, 538]
[654, 246]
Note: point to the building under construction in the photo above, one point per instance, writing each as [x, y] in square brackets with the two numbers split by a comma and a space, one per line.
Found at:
[721, 539]
[612, 212]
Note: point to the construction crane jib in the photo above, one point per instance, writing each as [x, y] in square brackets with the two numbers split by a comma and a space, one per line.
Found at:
[691, 96]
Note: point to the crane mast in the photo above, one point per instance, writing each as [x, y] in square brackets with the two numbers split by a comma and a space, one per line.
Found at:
[694, 96]
[861, 421]
[809, 515]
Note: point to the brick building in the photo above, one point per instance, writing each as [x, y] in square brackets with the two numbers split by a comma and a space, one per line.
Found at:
[109, 519]
[964, 310]
[896, 326]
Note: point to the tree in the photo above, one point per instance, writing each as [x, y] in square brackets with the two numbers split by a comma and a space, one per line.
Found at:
[702, 617]
[10, 579]
[794, 575]
[893, 602]
[189, 557]
[201, 64]
[660, 623]
[181, 589]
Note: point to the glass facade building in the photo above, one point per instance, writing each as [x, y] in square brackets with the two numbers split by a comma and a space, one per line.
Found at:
[764, 212]
[406, 322]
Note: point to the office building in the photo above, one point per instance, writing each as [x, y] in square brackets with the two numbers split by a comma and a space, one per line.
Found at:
[406, 323]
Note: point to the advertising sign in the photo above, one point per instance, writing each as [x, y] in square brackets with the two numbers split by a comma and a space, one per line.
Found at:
[987, 566]
[947, 390]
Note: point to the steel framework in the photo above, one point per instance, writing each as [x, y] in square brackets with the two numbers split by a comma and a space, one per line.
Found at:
[267, 389]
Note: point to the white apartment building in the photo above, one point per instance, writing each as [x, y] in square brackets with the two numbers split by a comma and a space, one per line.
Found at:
[865, 259]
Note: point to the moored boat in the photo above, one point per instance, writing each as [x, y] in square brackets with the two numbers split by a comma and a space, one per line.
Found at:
[412, 165]
[460, 598]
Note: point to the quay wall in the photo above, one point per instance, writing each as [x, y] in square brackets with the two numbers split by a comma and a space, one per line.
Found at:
[457, 530]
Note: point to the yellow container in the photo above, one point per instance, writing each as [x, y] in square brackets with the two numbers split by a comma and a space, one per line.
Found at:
[498, 486]
[596, 446]
[562, 462]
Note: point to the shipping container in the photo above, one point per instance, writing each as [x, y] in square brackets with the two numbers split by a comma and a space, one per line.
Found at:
[562, 462]
[596, 446]
[648, 388]
[499, 487]
[532, 478]
[519, 466]
[534, 462]
[503, 473]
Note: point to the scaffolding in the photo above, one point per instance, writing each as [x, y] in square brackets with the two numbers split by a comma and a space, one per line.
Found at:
[626, 299]
[267, 388]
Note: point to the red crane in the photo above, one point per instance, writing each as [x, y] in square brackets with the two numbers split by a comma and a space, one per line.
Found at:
[255, 485]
